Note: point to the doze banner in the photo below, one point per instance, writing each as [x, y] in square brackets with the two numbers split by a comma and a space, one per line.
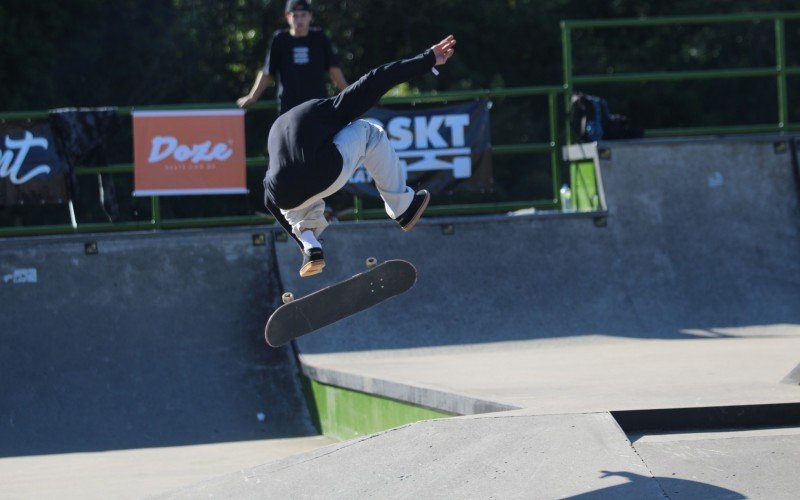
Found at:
[446, 149]
[32, 170]
[189, 152]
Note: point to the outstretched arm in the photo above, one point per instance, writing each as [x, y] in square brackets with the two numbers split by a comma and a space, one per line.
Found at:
[357, 98]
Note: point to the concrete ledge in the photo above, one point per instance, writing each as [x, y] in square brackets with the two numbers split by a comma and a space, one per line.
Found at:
[345, 414]
[409, 392]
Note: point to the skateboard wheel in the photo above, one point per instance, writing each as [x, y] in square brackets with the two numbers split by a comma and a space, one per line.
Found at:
[287, 297]
[371, 262]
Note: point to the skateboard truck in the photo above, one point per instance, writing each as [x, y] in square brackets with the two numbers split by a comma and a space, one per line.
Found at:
[371, 262]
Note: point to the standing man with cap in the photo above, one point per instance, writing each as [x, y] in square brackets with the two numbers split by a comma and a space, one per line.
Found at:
[316, 146]
[299, 56]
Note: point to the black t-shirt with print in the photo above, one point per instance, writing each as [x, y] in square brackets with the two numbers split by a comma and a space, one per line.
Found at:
[299, 64]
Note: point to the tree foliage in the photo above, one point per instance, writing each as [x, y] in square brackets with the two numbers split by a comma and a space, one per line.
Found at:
[129, 52]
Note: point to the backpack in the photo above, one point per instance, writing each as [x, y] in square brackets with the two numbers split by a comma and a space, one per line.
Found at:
[591, 120]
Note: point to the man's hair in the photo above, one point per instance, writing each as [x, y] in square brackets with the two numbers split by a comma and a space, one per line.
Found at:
[293, 5]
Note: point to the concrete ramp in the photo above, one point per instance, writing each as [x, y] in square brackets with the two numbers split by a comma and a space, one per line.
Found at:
[682, 295]
[701, 236]
[154, 341]
[557, 456]
[518, 455]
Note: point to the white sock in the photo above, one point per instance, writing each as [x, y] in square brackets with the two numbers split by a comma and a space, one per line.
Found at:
[309, 240]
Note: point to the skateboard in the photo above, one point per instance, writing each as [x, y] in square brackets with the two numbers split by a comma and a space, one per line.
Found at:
[324, 307]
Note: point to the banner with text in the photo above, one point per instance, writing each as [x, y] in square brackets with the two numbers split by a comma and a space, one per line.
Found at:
[32, 170]
[189, 152]
[446, 149]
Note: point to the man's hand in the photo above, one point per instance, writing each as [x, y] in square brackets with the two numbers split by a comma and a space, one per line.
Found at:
[444, 50]
[261, 83]
[245, 101]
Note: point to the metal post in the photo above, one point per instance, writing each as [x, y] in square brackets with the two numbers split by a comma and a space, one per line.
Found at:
[780, 66]
[566, 54]
[357, 205]
[155, 216]
[555, 164]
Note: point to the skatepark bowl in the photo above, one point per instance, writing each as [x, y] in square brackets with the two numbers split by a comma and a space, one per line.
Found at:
[648, 349]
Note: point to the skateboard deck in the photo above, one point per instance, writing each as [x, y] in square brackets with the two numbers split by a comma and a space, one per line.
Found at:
[301, 316]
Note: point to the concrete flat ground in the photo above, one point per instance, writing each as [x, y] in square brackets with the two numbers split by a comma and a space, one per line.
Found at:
[581, 375]
[473, 457]
[527, 456]
[755, 464]
[138, 473]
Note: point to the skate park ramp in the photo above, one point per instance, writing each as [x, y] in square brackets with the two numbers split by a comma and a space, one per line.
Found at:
[523, 456]
[621, 336]
[683, 292]
[681, 295]
[700, 237]
[154, 341]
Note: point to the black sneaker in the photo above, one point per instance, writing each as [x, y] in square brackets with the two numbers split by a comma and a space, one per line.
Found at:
[313, 262]
[414, 212]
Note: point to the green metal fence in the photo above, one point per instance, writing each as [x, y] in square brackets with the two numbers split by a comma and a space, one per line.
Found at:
[552, 147]
[357, 212]
[779, 71]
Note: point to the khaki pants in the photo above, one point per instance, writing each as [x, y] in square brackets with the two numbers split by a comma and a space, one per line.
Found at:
[361, 142]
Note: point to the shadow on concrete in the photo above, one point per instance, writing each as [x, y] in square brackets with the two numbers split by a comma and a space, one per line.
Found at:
[672, 488]
[157, 340]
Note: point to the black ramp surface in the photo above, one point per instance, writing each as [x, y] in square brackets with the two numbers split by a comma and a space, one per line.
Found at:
[154, 341]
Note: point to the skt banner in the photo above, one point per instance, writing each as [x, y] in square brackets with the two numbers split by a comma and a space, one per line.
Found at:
[32, 170]
[445, 149]
[189, 152]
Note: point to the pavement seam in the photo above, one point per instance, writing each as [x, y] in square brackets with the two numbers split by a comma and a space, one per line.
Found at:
[644, 462]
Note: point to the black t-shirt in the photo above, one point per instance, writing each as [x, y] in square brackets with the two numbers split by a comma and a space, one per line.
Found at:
[303, 160]
[300, 64]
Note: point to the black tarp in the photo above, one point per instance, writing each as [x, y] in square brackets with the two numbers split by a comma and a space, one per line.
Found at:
[32, 170]
[445, 149]
[82, 134]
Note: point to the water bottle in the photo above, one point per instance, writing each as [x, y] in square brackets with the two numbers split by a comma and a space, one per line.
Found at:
[566, 198]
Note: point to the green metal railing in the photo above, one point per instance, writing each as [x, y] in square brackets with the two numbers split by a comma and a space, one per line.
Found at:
[357, 212]
[780, 71]
[552, 147]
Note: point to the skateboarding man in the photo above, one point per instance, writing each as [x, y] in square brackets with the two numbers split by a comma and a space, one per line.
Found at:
[316, 146]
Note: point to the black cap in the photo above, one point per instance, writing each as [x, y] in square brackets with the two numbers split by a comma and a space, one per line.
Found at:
[293, 5]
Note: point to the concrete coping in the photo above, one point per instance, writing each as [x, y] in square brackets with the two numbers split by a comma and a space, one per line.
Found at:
[424, 395]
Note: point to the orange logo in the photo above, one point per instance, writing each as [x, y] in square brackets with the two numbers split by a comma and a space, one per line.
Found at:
[189, 152]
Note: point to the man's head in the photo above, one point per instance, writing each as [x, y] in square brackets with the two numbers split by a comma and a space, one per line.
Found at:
[298, 15]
